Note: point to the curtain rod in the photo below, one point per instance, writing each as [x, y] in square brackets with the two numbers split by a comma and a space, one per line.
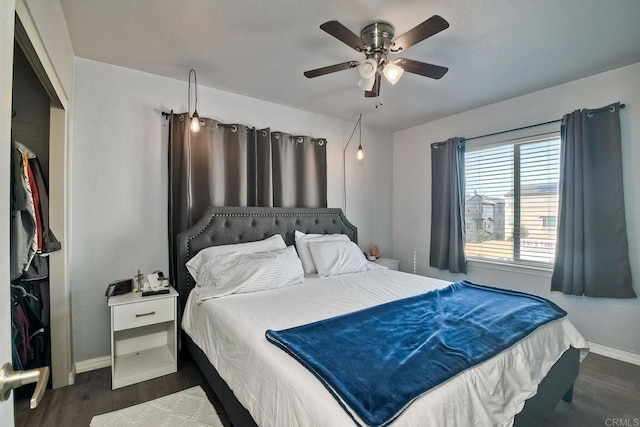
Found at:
[520, 128]
[291, 137]
[224, 125]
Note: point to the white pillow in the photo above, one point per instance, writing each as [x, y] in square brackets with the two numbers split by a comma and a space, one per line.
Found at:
[337, 257]
[302, 245]
[195, 264]
[240, 272]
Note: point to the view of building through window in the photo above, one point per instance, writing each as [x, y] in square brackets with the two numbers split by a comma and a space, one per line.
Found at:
[511, 201]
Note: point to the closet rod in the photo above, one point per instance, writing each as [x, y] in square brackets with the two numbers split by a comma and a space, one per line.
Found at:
[520, 128]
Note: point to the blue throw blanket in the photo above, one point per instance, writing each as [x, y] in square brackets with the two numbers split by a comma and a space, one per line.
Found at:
[380, 359]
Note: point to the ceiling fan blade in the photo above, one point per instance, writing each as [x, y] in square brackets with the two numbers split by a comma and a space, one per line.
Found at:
[342, 33]
[431, 26]
[421, 68]
[330, 69]
[375, 92]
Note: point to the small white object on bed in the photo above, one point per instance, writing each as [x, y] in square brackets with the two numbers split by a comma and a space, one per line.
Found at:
[277, 390]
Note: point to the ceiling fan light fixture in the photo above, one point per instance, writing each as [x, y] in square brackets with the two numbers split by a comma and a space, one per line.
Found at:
[367, 84]
[367, 70]
[392, 72]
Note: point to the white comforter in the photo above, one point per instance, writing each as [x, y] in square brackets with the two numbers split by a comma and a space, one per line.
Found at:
[278, 391]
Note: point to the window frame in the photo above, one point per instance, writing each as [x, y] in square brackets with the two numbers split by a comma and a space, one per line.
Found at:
[516, 262]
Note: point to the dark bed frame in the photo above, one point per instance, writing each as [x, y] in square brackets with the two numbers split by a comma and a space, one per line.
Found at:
[227, 225]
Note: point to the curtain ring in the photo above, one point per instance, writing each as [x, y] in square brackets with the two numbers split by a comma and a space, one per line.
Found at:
[612, 109]
[264, 133]
[181, 118]
[590, 114]
[321, 142]
[299, 140]
[276, 135]
[234, 128]
[217, 125]
[436, 146]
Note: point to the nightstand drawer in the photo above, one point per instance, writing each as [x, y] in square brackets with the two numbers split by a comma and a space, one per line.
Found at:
[143, 313]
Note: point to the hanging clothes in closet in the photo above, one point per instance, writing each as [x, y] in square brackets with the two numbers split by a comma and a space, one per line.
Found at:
[31, 238]
[29, 334]
[31, 242]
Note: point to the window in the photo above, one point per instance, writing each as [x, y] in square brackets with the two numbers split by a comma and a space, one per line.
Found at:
[548, 221]
[511, 196]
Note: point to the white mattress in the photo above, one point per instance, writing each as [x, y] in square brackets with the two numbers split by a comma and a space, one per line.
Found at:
[278, 391]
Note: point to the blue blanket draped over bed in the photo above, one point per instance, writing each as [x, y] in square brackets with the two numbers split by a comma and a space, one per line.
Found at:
[380, 359]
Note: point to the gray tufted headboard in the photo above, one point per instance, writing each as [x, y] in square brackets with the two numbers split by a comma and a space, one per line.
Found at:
[226, 225]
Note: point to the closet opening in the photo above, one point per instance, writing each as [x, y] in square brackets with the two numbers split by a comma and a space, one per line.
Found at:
[30, 290]
[41, 327]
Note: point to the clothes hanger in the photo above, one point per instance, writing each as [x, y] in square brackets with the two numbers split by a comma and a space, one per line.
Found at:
[24, 292]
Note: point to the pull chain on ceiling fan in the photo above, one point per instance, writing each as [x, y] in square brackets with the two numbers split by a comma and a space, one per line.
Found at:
[377, 41]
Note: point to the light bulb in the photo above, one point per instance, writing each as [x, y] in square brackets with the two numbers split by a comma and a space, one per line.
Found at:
[360, 154]
[195, 122]
[392, 72]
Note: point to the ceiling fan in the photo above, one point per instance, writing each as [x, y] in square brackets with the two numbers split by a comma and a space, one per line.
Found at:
[377, 41]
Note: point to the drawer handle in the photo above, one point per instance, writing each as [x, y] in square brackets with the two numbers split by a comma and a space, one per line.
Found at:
[151, 313]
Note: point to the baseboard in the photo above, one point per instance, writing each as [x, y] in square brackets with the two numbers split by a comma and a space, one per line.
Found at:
[93, 364]
[614, 353]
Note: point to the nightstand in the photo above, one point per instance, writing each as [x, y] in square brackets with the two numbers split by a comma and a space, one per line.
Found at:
[391, 264]
[143, 337]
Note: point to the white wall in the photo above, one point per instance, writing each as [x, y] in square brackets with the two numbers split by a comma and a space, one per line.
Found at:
[611, 322]
[119, 179]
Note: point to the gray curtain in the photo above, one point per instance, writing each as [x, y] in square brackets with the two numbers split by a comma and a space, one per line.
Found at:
[299, 171]
[592, 250]
[234, 165]
[447, 206]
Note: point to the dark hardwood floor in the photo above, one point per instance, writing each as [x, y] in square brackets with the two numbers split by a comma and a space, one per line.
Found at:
[92, 395]
[606, 394]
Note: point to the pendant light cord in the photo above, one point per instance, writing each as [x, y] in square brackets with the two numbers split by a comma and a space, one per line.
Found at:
[195, 82]
[344, 162]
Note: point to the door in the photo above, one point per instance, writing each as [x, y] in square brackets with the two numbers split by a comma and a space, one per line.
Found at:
[7, 17]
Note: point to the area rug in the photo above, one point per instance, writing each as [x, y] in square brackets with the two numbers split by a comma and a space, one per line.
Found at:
[189, 407]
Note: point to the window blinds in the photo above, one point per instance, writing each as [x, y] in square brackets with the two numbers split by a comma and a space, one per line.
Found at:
[511, 200]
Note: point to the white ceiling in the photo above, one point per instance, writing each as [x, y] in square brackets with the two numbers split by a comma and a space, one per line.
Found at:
[494, 49]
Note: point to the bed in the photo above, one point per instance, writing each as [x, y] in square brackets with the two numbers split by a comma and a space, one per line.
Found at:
[258, 383]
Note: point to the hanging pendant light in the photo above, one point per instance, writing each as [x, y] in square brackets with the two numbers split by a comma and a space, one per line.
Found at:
[195, 118]
[195, 122]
